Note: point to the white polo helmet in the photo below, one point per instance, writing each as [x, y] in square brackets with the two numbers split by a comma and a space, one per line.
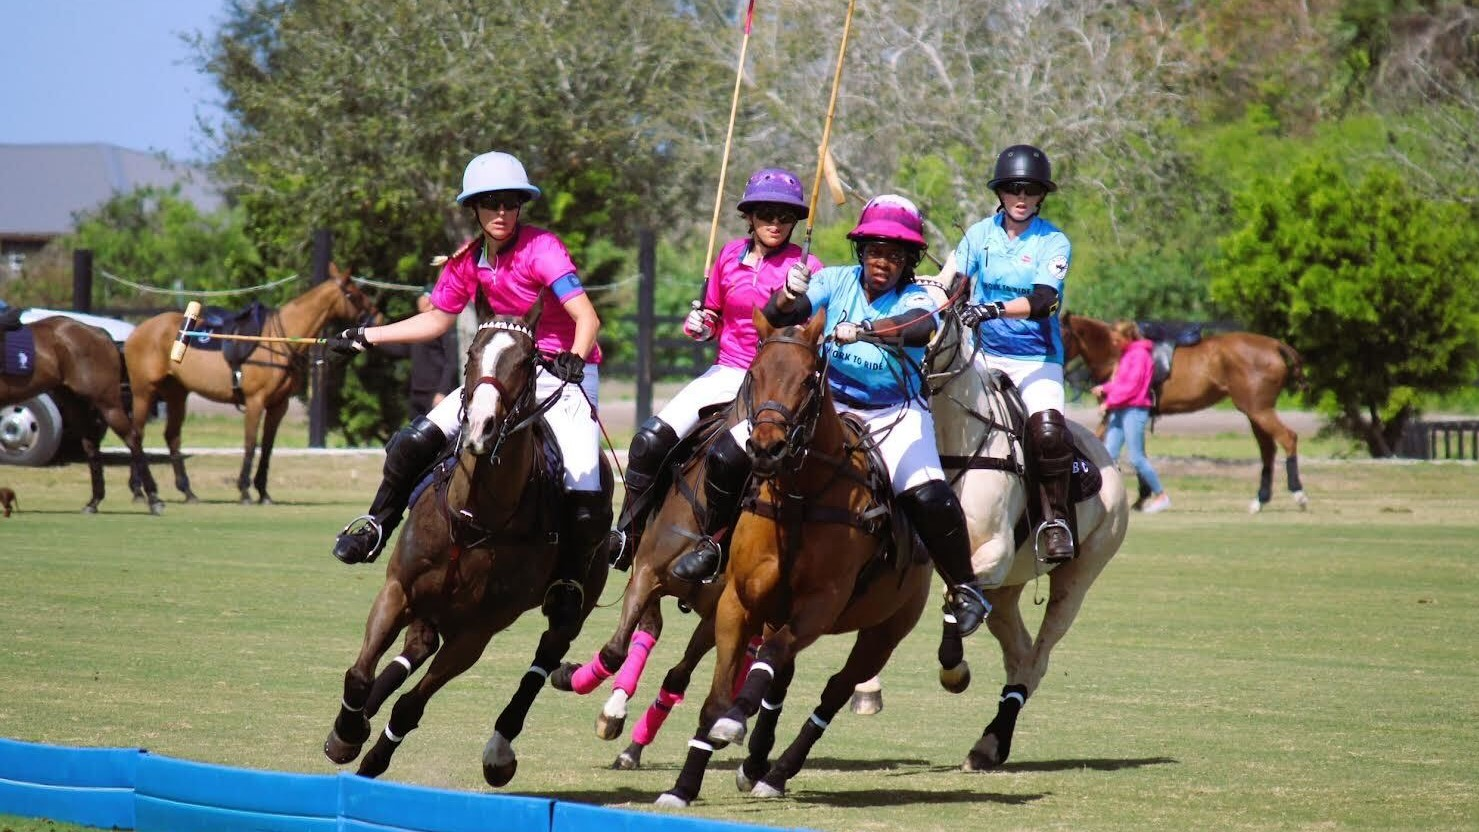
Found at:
[494, 171]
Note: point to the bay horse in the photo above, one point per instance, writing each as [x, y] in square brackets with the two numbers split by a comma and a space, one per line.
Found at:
[268, 378]
[669, 530]
[804, 562]
[82, 360]
[479, 548]
[1248, 368]
[978, 431]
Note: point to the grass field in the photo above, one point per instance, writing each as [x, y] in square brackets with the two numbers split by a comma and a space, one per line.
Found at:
[1292, 670]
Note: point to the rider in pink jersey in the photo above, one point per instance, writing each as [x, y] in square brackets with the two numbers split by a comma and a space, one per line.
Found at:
[743, 277]
[513, 266]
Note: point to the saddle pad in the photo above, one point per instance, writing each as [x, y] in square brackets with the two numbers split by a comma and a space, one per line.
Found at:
[20, 352]
[1085, 480]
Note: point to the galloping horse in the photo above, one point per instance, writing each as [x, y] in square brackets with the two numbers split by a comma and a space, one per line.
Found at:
[478, 551]
[82, 359]
[984, 457]
[813, 477]
[1248, 368]
[268, 378]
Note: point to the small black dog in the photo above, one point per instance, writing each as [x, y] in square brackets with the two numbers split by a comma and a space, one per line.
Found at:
[8, 500]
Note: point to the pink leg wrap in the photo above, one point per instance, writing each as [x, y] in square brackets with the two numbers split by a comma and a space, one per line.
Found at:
[651, 722]
[631, 669]
[744, 668]
[589, 676]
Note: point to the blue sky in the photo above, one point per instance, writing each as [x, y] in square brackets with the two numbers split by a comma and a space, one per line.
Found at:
[114, 72]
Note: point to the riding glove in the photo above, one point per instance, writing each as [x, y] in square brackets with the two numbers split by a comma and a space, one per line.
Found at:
[567, 367]
[848, 332]
[701, 323]
[798, 280]
[347, 344]
[974, 314]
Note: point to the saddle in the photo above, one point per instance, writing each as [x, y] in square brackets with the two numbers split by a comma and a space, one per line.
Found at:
[215, 320]
[18, 355]
[1165, 338]
[1084, 480]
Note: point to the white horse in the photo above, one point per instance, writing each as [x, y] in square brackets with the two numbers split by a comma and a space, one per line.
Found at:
[973, 419]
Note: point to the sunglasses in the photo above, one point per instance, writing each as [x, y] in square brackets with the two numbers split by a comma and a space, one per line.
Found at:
[1020, 188]
[494, 202]
[784, 216]
[894, 255]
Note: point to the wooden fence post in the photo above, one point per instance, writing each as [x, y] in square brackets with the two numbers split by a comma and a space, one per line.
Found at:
[82, 280]
[646, 322]
[318, 401]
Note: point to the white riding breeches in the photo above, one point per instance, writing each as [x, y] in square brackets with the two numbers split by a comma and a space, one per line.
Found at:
[572, 419]
[719, 384]
[905, 434]
[1039, 382]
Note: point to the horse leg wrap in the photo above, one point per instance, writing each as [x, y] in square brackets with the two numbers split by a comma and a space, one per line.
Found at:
[745, 664]
[645, 731]
[404, 717]
[590, 676]
[1013, 698]
[762, 739]
[510, 722]
[1291, 467]
[795, 756]
[631, 669]
[389, 679]
[1266, 484]
[691, 778]
[952, 651]
[757, 681]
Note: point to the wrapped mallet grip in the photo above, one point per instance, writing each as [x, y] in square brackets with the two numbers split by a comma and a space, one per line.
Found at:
[192, 316]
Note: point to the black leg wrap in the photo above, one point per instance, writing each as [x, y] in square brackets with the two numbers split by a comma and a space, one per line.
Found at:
[391, 678]
[510, 722]
[1266, 484]
[1013, 697]
[795, 755]
[952, 649]
[1291, 467]
[691, 778]
[406, 715]
[757, 682]
[762, 739]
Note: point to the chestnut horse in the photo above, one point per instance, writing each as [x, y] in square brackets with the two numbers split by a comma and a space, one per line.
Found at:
[268, 378]
[804, 562]
[479, 548]
[74, 357]
[1248, 368]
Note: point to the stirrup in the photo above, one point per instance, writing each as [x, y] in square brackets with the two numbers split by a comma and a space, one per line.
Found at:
[1037, 537]
[353, 529]
[552, 593]
[959, 593]
[706, 545]
[617, 553]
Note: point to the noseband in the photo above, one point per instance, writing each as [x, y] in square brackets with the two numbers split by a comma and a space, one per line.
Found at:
[798, 426]
[520, 401]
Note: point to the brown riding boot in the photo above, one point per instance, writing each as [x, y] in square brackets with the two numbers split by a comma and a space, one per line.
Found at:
[1052, 451]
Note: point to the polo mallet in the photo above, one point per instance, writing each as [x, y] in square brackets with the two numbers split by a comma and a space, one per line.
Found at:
[192, 320]
[816, 185]
[739, 77]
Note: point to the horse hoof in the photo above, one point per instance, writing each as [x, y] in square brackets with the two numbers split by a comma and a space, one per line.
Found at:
[956, 679]
[265, 501]
[246, 501]
[1302, 500]
[609, 727]
[156, 508]
[498, 776]
[984, 755]
[764, 789]
[626, 762]
[728, 730]
[89, 509]
[742, 781]
[340, 752]
[191, 499]
[564, 677]
[1255, 506]
[867, 703]
[668, 800]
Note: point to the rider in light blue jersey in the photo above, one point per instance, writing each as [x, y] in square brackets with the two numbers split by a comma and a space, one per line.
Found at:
[1017, 263]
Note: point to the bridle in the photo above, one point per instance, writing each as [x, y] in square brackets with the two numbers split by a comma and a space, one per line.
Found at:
[360, 300]
[797, 425]
[520, 412]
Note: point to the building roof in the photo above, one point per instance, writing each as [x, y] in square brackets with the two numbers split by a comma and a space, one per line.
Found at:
[43, 185]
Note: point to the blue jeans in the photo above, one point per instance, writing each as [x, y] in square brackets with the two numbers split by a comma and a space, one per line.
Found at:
[1127, 426]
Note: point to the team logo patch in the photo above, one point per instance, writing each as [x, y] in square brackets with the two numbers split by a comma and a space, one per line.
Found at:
[1058, 266]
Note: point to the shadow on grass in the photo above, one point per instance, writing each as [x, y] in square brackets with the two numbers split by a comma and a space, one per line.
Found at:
[838, 800]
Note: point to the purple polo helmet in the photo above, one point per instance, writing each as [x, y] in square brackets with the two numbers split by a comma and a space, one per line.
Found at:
[774, 185]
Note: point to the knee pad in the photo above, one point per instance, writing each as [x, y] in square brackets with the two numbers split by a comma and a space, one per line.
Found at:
[1052, 445]
[651, 445]
[932, 505]
[414, 448]
[728, 466]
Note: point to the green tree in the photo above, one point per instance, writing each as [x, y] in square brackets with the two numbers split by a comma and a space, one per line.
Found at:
[1375, 286]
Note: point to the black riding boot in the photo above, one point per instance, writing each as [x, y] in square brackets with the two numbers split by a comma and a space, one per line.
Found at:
[939, 521]
[408, 454]
[727, 471]
[649, 449]
[586, 521]
[1052, 451]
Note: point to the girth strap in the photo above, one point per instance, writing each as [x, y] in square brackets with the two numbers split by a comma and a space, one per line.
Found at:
[954, 462]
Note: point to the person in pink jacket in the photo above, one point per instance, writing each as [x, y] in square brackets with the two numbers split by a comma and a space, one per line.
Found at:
[1125, 400]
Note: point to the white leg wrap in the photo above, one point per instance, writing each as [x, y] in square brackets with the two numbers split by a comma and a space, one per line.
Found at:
[701, 745]
[819, 722]
[1021, 700]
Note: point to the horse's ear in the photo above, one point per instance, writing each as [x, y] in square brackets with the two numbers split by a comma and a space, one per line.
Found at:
[532, 316]
[814, 326]
[338, 276]
[762, 326]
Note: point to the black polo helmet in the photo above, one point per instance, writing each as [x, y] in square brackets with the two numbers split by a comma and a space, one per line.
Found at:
[1023, 163]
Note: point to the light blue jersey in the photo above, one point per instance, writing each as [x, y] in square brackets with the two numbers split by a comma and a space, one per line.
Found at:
[1003, 269]
[862, 374]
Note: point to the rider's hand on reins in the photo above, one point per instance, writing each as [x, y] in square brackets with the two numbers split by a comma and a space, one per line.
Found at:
[973, 314]
[347, 344]
[567, 367]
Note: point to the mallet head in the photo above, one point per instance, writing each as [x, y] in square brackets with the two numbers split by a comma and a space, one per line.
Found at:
[192, 315]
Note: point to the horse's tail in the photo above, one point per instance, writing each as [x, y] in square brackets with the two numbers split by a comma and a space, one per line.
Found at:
[1296, 368]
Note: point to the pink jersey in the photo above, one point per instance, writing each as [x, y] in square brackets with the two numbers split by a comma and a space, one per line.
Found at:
[736, 290]
[1130, 386]
[536, 264]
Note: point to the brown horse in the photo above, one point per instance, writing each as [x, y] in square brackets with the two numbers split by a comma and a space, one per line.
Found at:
[268, 378]
[804, 563]
[478, 551]
[1248, 368]
[80, 359]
